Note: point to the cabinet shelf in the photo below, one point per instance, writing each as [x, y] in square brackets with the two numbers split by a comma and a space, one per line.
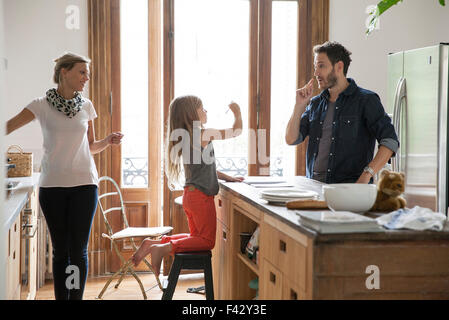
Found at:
[254, 267]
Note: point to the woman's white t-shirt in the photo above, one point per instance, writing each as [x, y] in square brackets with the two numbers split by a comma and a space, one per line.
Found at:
[67, 161]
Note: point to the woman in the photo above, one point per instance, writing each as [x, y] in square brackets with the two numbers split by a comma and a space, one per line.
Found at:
[69, 179]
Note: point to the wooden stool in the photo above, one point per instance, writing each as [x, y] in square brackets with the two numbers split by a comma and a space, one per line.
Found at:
[190, 261]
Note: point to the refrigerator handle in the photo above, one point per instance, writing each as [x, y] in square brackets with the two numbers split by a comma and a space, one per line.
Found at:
[405, 139]
[394, 162]
[401, 96]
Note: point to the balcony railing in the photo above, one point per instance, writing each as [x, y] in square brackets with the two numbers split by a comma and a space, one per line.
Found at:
[135, 170]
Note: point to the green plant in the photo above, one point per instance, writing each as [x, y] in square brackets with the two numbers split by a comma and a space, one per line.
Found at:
[383, 6]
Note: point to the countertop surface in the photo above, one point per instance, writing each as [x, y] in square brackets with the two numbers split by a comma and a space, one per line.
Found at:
[17, 198]
[251, 195]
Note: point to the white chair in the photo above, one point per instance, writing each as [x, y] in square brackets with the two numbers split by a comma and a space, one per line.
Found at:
[128, 233]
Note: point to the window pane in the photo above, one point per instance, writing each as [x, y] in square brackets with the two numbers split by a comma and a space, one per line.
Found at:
[283, 84]
[211, 62]
[134, 92]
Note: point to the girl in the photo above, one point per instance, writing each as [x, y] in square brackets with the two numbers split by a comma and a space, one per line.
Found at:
[187, 138]
[69, 179]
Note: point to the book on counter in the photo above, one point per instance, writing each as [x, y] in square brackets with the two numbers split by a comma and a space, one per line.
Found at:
[338, 222]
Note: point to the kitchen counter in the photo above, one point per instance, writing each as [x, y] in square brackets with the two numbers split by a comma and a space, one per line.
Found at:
[295, 262]
[18, 197]
[251, 195]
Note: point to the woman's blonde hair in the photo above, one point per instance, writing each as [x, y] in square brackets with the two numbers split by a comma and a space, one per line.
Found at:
[67, 61]
[182, 114]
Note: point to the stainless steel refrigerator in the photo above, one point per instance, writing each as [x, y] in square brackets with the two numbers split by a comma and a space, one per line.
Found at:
[418, 100]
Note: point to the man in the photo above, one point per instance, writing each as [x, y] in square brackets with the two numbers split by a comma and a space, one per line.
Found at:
[342, 122]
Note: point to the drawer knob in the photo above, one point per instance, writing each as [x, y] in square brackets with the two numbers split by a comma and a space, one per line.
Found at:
[293, 295]
[272, 277]
[282, 246]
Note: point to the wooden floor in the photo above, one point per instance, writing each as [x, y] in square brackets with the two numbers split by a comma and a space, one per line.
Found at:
[129, 288]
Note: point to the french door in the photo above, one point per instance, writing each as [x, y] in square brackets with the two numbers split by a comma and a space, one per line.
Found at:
[136, 112]
[255, 52]
[221, 50]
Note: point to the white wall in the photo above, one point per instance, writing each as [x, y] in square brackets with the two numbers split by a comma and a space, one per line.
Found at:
[36, 34]
[3, 231]
[32, 34]
[409, 25]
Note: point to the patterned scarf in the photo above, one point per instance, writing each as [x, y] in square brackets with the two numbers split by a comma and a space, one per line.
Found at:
[69, 107]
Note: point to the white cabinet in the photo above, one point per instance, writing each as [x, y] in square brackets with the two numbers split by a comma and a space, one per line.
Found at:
[13, 262]
[21, 261]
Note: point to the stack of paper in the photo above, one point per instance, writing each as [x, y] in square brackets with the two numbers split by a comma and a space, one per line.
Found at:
[338, 222]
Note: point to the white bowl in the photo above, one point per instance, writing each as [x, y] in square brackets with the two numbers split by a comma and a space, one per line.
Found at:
[354, 197]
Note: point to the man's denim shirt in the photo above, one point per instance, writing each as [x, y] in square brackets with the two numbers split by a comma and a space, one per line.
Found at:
[359, 120]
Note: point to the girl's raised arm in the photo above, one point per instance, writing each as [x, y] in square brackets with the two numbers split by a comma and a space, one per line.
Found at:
[208, 135]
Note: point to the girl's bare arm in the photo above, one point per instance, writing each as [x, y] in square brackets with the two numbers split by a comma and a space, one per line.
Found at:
[208, 135]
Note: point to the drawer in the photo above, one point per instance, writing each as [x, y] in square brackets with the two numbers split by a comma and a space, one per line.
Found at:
[14, 239]
[288, 255]
[222, 205]
[13, 262]
[248, 209]
[272, 282]
[291, 291]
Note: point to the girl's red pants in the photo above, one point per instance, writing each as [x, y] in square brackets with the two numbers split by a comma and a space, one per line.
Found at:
[201, 217]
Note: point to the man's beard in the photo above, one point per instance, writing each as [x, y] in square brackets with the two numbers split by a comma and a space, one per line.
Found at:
[331, 80]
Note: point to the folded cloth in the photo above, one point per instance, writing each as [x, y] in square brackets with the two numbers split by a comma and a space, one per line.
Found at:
[416, 218]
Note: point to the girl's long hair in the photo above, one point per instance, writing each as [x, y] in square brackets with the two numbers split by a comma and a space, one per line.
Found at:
[182, 114]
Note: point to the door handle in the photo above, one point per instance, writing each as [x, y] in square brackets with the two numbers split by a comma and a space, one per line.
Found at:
[31, 232]
[110, 103]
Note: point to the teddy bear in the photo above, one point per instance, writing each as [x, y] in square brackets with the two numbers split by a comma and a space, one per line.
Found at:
[389, 188]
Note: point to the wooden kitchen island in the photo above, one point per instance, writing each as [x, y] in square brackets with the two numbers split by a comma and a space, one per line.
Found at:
[295, 262]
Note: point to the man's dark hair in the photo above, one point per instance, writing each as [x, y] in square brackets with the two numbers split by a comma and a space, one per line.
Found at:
[335, 52]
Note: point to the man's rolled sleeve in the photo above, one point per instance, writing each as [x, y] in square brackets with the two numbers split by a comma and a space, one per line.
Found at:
[391, 144]
[380, 124]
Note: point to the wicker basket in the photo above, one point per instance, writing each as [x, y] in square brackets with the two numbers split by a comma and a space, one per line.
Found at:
[22, 160]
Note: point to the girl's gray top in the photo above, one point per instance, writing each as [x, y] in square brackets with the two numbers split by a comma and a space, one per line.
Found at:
[200, 171]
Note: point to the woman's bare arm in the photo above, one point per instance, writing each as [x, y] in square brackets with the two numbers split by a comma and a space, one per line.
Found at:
[100, 145]
[24, 117]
